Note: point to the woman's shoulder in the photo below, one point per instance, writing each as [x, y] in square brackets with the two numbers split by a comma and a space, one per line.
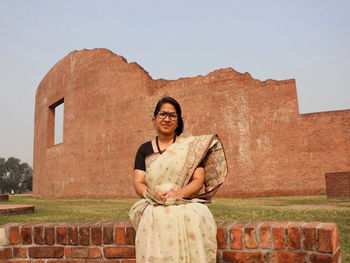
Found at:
[146, 148]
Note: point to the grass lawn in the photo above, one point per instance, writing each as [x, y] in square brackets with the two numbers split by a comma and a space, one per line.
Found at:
[286, 208]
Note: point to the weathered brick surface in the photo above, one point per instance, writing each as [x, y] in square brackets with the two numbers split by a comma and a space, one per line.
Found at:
[294, 235]
[278, 231]
[268, 242]
[338, 184]
[236, 235]
[221, 234]
[119, 252]
[233, 256]
[322, 258]
[61, 234]
[120, 234]
[309, 235]
[291, 257]
[5, 253]
[250, 235]
[39, 235]
[46, 252]
[72, 235]
[14, 235]
[84, 235]
[96, 235]
[328, 238]
[20, 252]
[108, 237]
[49, 235]
[130, 235]
[265, 232]
[107, 100]
[26, 235]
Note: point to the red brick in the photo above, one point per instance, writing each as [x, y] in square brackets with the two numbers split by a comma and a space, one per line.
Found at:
[265, 234]
[37, 261]
[72, 235]
[65, 261]
[120, 233]
[278, 232]
[14, 235]
[84, 235]
[19, 252]
[38, 233]
[237, 235]
[128, 261]
[102, 261]
[96, 235]
[94, 252]
[221, 234]
[243, 257]
[328, 238]
[309, 235]
[119, 252]
[291, 257]
[250, 235]
[108, 234]
[61, 233]
[68, 252]
[5, 253]
[294, 235]
[130, 235]
[322, 258]
[18, 261]
[80, 252]
[26, 235]
[46, 252]
[49, 235]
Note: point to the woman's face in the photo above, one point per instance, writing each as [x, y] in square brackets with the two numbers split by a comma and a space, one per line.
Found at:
[166, 120]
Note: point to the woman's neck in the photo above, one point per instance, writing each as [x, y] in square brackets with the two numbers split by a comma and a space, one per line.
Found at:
[166, 138]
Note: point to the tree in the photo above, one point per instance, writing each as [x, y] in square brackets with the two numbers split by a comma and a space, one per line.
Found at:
[15, 175]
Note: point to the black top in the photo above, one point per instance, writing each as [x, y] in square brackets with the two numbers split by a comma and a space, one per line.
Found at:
[144, 150]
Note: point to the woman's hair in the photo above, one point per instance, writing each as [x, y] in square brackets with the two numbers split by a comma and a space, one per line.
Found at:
[180, 123]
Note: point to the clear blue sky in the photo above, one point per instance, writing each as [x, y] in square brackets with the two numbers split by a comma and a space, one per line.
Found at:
[306, 40]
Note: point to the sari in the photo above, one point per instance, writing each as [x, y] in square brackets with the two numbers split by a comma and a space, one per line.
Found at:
[179, 229]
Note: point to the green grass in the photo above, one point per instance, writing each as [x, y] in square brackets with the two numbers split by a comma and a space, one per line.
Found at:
[291, 208]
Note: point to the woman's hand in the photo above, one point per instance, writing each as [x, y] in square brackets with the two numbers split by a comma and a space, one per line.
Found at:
[159, 195]
[172, 194]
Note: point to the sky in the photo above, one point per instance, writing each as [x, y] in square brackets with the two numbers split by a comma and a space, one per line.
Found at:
[271, 39]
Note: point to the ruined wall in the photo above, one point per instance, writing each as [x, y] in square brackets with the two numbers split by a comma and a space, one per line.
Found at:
[271, 149]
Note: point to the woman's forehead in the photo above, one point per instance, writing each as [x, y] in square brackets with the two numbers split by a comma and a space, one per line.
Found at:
[167, 107]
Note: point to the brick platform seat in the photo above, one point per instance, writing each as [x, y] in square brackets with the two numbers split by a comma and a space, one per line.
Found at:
[113, 242]
[16, 209]
[4, 197]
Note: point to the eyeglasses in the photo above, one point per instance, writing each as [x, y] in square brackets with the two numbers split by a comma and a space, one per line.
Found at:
[163, 114]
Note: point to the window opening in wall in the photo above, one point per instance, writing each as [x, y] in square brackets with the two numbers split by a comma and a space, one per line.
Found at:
[57, 111]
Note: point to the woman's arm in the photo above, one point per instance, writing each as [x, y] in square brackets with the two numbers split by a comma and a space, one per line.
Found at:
[140, 185]
[188, 190]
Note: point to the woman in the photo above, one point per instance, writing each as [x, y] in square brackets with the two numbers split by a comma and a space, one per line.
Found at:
[175, 176]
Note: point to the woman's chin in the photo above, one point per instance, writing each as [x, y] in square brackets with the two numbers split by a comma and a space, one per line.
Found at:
[166, 131]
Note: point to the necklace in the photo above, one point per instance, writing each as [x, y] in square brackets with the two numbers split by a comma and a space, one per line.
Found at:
[158, 144]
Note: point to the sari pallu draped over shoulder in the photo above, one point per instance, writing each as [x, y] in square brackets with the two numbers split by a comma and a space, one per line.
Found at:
[162, 228]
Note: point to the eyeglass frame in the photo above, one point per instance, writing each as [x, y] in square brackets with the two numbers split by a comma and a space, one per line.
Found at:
[168, 115]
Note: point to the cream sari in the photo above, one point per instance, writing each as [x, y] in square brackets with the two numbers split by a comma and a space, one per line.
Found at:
[179, 230]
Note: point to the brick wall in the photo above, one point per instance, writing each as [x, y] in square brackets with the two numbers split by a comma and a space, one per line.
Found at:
[271, 149]
[338, 184]
[113, 242]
